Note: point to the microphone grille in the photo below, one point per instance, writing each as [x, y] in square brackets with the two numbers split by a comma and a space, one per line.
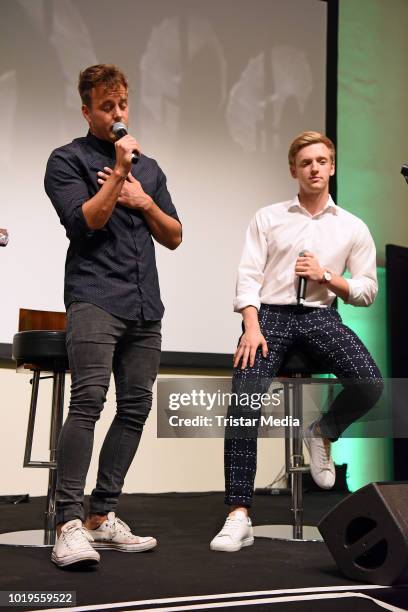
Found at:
[118, 127]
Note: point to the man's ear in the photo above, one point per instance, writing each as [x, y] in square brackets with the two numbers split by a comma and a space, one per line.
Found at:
[292, 169]
[333, 169]
[85, 113]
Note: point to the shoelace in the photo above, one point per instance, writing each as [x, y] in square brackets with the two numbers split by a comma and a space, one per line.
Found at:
[324, 452]
[118, 525]
[231, 524]
[76, 533]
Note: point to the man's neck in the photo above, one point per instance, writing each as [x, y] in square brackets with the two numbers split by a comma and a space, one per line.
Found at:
[101, 145]
[314, 203]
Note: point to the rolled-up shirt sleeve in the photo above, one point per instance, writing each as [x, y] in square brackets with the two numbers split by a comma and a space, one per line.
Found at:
[362, 265]
[67, 191]
[251, 268]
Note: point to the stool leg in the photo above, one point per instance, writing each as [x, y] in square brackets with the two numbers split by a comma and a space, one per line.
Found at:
[286, 404]
[294, 466]
[56, 425]
[297, 491]
[31, 419]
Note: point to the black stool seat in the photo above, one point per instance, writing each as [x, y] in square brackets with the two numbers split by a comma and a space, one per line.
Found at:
[300, 363]
[40, 347]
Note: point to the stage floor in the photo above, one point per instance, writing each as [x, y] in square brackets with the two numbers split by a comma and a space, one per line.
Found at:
[183, 574]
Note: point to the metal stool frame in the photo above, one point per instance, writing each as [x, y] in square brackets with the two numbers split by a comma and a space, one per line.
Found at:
[294, 460]
[51, 327]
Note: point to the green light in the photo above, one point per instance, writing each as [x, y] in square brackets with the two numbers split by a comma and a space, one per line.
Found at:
[368, 459]
[371, 126]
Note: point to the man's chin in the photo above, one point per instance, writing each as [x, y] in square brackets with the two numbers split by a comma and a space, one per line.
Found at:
[315, 189]
[317, 186]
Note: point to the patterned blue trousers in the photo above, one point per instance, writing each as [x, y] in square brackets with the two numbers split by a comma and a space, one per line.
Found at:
[320, 332]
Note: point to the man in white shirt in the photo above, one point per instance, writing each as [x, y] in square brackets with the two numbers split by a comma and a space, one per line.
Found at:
[331, 240]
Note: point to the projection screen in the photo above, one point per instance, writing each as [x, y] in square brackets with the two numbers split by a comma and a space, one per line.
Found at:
[218, 90]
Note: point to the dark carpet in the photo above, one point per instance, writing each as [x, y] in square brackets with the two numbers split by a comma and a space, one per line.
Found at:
[183, 565]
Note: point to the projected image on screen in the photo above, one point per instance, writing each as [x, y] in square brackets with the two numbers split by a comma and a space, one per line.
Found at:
[218, 90]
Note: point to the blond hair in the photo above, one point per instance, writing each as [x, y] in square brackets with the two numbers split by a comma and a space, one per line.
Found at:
[307, 138]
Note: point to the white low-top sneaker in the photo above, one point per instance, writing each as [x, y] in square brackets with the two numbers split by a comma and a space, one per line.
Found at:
[321, 463]
[114, 533]
[236, 533]
[74, 546]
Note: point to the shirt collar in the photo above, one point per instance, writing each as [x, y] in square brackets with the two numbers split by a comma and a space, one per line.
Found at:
[330, 207]
[102, 146]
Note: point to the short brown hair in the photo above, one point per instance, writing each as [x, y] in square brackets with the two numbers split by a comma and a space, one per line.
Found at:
[307, 138]
[101, 74]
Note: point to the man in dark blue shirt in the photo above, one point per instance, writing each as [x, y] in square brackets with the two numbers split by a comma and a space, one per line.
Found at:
[110, 208]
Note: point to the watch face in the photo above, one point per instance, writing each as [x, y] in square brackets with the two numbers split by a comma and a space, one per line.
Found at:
[327, 276]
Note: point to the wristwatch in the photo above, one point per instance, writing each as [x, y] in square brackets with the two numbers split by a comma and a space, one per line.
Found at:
[326, 278]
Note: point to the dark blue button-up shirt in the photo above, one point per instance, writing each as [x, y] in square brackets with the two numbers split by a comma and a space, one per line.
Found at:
[114, 267]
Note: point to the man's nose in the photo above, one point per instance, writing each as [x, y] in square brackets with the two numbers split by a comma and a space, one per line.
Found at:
[117, 113]
[315, 167]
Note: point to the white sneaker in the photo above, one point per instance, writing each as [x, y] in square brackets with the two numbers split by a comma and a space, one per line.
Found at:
[321, 464]
[73, 546]
[114, 533]
[236, 533]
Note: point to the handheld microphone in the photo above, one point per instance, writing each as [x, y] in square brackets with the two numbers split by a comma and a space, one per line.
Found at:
[301, 289]
[404, 171]
[120, 130]
[4, 237]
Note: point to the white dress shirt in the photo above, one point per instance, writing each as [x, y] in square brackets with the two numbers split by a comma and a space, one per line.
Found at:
[274, 239]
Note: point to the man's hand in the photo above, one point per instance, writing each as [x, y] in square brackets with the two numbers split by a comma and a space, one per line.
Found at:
[248, 346]
[99, 208]
[250, 340]
[163, 228]
[308, 267]
[124, 152]
[132, 194]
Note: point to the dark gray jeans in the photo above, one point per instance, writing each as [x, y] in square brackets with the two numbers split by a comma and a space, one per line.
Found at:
[98, 344]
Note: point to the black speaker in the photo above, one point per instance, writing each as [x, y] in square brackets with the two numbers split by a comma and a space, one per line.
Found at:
[367, 533]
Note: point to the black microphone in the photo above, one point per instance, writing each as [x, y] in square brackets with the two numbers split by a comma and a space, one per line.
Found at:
[4, 237]
[119, 129]
[404, 171]
[301, 289]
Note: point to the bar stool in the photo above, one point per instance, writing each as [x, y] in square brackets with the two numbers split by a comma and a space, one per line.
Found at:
[296, 371]
[40, 347]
